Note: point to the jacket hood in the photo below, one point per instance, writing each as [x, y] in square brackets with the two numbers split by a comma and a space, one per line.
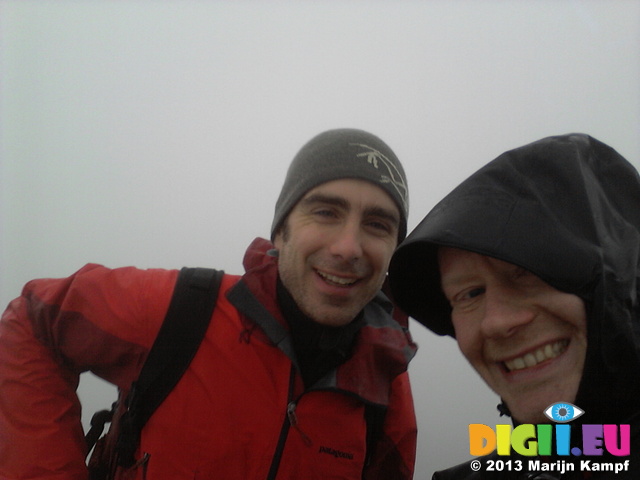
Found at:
[566, 208]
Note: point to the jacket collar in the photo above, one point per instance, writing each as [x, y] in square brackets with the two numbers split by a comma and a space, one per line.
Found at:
[381, 351]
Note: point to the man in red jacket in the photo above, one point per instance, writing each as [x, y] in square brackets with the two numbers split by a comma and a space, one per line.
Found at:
[300, 350]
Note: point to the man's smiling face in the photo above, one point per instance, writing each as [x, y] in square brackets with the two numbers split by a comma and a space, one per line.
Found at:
[525, 338]
[335, 247]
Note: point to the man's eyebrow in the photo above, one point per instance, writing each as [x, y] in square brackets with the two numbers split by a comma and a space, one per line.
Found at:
[327, 199]
[383, 213]
[455, 280]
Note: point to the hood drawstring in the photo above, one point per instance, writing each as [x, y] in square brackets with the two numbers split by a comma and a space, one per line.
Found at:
[503, 409]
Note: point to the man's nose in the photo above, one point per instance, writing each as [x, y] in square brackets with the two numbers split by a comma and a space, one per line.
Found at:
[347, 242]
[505, 312]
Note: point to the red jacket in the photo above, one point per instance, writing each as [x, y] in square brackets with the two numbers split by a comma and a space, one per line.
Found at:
[239, 412]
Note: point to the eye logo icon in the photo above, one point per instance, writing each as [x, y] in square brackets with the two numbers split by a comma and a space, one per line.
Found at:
[563, 412]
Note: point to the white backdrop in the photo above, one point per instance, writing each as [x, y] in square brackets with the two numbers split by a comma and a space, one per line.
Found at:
[158, 133]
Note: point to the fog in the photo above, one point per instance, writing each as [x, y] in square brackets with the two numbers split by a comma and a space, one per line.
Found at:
[158, 133]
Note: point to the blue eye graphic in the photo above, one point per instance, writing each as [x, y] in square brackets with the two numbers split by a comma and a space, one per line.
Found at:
[563, 412]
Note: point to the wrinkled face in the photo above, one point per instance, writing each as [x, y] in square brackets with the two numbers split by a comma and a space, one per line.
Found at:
[525, 338]
[335, 247]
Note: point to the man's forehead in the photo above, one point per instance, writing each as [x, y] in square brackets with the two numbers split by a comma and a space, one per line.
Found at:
[348, 188]
[458, 261]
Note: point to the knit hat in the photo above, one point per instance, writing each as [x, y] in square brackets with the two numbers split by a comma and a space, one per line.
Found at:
[343, 153]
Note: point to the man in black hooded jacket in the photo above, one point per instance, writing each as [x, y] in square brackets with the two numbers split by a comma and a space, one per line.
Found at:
[533, 265]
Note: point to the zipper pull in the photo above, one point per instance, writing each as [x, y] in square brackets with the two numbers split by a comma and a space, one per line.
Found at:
[291, 413]
[143, 461]
[293, 420]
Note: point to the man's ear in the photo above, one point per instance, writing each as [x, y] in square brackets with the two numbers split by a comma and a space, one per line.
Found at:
[278, 240]
[282, 235]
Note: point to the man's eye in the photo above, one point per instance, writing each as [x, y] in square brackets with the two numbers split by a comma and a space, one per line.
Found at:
[381, 226]
[324, 213]
[474, 292]
[468, 295]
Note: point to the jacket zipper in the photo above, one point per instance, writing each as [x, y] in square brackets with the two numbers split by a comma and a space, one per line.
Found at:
[293, 421]
[284, 431]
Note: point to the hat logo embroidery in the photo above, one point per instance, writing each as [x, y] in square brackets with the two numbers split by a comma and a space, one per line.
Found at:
[375, 157]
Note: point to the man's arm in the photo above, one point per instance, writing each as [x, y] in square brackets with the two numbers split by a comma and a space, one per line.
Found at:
[98, 319]
[40, 431]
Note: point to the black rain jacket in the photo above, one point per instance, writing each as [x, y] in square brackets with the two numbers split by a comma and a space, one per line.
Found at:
[566, 208]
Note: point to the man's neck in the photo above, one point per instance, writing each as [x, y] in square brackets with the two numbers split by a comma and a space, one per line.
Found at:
[319, 348]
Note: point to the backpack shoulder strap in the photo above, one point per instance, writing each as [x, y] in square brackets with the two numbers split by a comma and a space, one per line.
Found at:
[187, 319]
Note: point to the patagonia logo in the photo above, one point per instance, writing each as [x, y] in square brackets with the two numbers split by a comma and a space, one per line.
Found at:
[336, 453]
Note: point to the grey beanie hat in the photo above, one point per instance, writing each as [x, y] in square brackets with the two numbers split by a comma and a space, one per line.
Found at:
[343, 153]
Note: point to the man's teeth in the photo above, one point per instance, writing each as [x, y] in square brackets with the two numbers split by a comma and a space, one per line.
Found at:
[551, 350]
[337, 280]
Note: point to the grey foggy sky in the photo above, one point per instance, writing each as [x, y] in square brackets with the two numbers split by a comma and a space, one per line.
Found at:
[158, 133]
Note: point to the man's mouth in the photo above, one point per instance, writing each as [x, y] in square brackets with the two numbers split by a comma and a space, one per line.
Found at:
[336, 280]
[531, 359]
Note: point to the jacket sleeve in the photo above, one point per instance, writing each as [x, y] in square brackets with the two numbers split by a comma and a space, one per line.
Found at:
[395, 454]
[98, 319]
